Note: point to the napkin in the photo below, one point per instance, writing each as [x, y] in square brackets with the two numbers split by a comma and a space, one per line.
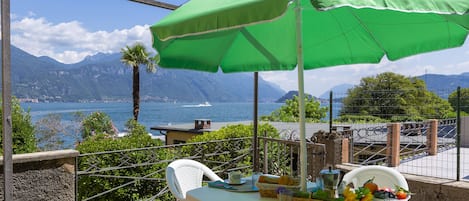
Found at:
[220, 184]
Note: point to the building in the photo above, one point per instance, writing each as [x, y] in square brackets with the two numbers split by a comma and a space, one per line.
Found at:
[181, 133]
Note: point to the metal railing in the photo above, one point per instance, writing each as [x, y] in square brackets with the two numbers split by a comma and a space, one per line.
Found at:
[103, 174]
[368, 144]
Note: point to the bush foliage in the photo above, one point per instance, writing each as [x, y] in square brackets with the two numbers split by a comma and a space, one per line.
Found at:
[289, 112]
[463, 103]
[23, 137]
[102, 142]
[240, 150]
[394, 97]
[97, 122]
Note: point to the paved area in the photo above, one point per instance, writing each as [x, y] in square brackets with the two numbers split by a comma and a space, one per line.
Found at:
[443, 165]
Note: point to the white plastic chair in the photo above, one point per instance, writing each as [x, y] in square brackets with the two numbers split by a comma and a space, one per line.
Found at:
[383, 177]
[183, 175]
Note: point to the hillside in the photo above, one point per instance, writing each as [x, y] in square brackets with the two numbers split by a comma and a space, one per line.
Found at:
[442, 85]
[290, 95]
[104, 78]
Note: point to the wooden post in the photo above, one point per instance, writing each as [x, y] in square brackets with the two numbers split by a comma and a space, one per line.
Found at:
[393, 144]
[432, 137]
[345, 150]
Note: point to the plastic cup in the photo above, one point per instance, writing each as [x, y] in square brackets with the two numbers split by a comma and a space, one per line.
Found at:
[254, 178]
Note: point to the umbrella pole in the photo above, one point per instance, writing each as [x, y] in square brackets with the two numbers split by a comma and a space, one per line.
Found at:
[301, 99]
[255, 140]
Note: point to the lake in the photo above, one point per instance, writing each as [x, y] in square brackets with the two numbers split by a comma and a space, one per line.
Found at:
[156, 114]
[153, 114]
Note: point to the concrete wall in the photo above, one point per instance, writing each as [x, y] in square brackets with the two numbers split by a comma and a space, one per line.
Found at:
[465, 131]
[43, 176]
[429, 188]
[171, 136]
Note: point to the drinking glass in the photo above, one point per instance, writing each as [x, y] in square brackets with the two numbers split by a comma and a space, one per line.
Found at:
[254, 178]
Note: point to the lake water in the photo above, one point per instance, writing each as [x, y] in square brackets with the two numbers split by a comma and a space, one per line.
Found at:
[153, 114]
[157, 114]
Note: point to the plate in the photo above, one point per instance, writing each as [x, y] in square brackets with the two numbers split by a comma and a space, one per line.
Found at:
[246, 188]
[243, 181]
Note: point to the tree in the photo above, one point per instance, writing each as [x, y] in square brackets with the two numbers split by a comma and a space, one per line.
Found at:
[394, 97]
[96, 123]
[23, 137]
[134, 57]
[229, 150]
[51, 131]
[290, 111]
[464, 100]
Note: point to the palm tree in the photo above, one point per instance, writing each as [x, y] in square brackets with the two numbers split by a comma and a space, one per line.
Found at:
[134, 57]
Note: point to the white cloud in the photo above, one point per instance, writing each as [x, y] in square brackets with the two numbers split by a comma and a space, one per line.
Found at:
[287, 80]
[70, 42]
[319, 81]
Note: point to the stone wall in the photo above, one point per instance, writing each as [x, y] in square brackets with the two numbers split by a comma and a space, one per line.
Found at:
[43, 176]
[429, 188]
[333, 143]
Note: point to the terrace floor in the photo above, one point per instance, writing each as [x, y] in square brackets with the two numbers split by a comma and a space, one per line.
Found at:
[442, 165]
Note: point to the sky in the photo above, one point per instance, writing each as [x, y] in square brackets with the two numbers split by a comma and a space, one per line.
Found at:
[70, 30]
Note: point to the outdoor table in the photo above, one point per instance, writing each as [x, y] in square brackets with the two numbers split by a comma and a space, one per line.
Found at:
[215, 194]
[206, 193]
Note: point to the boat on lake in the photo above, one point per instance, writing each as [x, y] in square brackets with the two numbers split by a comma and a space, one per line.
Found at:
[206, 104]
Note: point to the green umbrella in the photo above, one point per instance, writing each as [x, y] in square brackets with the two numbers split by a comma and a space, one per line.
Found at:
[267, 35]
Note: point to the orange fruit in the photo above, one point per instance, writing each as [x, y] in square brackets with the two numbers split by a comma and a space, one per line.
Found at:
[371, 186]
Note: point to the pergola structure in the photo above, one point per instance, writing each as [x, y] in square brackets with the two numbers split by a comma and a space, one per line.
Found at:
[157, 4]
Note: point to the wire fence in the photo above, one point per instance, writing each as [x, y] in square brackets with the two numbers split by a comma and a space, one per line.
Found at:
[442, 152]
[121, 174]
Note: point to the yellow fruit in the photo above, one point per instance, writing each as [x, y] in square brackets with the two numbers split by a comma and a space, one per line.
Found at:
[349, 194]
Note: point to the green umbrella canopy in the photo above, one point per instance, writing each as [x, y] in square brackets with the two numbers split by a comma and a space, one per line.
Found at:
[267, 35]
[260, 35]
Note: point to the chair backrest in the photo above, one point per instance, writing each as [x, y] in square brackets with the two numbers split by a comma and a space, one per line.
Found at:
[183, 175]
[383, 177]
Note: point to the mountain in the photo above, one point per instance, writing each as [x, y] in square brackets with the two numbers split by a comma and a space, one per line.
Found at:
[338, 91]
[442, 85]
[103, 77]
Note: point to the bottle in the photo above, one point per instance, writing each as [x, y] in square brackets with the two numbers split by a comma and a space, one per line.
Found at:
[340, 189]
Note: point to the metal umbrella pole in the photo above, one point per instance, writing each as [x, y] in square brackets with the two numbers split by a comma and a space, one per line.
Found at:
[6, 104]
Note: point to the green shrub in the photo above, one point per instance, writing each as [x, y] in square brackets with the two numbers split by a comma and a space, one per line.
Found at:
[97, 123]
[23, 137]
[141, 189]
[289, 112]
[359, 119]
[232, 149]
